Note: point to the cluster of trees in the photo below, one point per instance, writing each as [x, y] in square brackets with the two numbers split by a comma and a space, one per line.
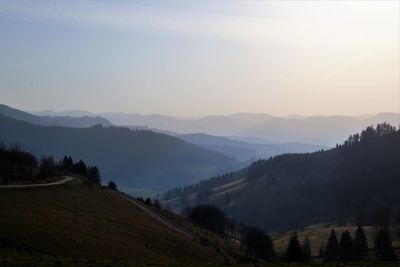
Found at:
[356, 249]
[148, 201]
[257, 245]
[255, 242]
[17, 165]
[91, 173]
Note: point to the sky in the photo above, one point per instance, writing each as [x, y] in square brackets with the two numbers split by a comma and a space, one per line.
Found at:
[197, 58]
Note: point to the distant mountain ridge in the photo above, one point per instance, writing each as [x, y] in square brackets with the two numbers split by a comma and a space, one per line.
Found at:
[139, 159]
[66, 121]
[247, 151]
[256, 128]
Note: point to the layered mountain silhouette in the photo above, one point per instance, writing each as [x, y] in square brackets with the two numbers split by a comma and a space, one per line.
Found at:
[140, 159]
[46, 120]
[252, 127]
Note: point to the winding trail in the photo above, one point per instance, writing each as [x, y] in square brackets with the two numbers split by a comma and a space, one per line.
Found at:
[62, 181]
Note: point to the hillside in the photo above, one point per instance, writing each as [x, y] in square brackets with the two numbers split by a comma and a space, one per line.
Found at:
[356, 181]
[242, 150]
[134, 159]
[87, 224]
[66, 121]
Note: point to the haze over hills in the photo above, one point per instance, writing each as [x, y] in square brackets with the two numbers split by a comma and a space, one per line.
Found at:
[51, 120]
[327, 130]
[244, 150]
[135, 159]
[256, 128]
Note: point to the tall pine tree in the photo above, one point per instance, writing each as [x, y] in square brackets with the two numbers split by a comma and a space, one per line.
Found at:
[383, 246]
[360, 244]
[346, 250]
[332, 248]
[306, 249]
[294, 252]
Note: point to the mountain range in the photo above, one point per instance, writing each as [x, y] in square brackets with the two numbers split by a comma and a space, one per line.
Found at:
[133, 158]
[252, 127]
[47, 120]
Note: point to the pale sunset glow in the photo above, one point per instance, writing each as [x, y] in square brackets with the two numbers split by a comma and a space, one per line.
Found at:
[199, 58]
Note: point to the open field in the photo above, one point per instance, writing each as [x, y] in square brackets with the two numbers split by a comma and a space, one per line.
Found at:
[73, 221]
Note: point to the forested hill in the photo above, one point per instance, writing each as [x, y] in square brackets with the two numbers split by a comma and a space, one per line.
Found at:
[140, 159]
[358, 180]
[65, 121]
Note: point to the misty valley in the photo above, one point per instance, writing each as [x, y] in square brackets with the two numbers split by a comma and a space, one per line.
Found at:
[199, 133]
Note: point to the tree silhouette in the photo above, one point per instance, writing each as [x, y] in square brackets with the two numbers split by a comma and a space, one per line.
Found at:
[383, 246]
[80, 168]
[332, 247]
[94, 175]
[294, 252]
[258, 243]
[209, 217]
[112, 185]
[306, 249]
[360, 244]
[346, 250]
[47, 167]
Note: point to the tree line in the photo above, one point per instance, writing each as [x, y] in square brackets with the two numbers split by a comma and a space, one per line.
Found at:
[17, 165]
[257, 245]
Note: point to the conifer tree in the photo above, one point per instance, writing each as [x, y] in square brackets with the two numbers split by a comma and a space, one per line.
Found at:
[360, 244]
[306, 249]
[294, 252]
[383, 246]
[346, 251]
[332, 247]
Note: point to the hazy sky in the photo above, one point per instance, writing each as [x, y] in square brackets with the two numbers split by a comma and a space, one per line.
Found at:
[199, 58]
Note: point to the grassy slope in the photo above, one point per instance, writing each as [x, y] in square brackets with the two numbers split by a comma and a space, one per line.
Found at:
[74, 221]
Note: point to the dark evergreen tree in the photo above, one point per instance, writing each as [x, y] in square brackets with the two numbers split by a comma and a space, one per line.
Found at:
[157, 203]
[112, 185]
[67, 164]
[383, 246]
[209, 217]
[332, 248]
[306, 249]
[346, 250]
[47, 167]
[148, 201]
[360, 244]
[258, 243]
[80, 168]
[294, 252]
[94, 175]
